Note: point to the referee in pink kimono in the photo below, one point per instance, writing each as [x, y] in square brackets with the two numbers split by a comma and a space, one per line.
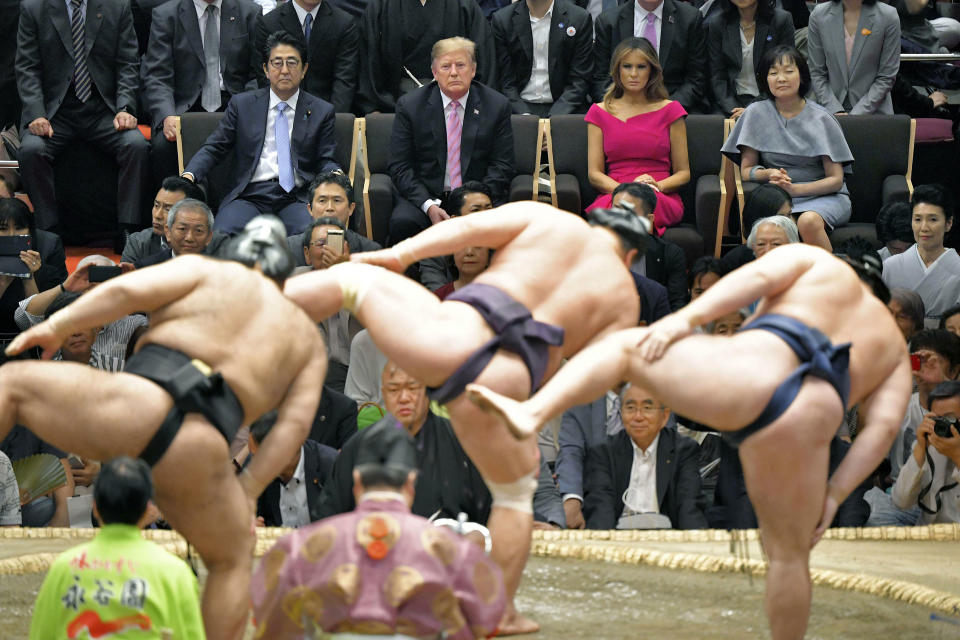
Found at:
[378, 571]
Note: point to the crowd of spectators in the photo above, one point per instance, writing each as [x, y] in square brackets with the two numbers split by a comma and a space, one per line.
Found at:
[453, 72]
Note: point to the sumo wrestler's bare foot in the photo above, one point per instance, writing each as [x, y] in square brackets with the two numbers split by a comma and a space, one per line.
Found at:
[514, 623]
[520, 422]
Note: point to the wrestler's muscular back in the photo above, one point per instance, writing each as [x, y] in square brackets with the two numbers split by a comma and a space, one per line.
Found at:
[240, 324]
[560, 268]
[832, 298]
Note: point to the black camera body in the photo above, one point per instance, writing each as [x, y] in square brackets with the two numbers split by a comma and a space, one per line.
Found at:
[941, 426]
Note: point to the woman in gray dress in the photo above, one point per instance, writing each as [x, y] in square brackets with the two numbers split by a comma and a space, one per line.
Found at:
[795, 144]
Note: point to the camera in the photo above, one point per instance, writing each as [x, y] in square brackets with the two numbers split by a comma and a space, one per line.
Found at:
[941, 426]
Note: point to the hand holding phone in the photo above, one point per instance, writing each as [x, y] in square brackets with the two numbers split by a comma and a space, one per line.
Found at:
[335, 241]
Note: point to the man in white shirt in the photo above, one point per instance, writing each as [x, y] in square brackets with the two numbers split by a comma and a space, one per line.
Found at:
[645, 470]
[293, 498]
[929, 477]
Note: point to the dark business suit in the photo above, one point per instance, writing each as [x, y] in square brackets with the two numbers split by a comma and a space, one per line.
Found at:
[569, 56]
[45, 69]
[678, 481]
[581, 428]
[242, 131]
[682, 50]
[335, 421]
[725, 56]
[174, 68]
[666, 264]
[332, 51]
[418, 151]
[318, 462]
[654, 299]
[9, 101]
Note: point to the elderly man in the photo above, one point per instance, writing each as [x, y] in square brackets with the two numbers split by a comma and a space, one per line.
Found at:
[188, 230]
[118, 581]
[178, 412]
[646, 469]
[379, 569]
[331, 196]
[555, 283]
[153, 240]
[778, 388]
[444, 134]
[447, 482]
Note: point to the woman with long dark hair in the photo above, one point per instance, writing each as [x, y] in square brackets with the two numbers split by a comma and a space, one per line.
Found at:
[637, 134]
[737, 38]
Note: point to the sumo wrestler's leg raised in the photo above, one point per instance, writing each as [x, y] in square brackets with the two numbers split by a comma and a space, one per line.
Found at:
[407, 322]
[80, 409]
[198, 493]
[785, 466]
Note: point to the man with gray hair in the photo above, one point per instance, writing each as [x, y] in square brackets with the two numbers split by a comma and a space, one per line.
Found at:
[188, 229]
[185, 394]
[771, 232]
[445, 134]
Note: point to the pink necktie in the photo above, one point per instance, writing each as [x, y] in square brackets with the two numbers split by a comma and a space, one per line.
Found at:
[454, 128]
[650, 31]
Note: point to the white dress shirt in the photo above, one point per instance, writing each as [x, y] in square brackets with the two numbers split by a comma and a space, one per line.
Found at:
[461, 110]
[293, 498]
[641, 493]
[268, 168]
[201, 8]
[538, 88]
[302, 14]
[640, 21]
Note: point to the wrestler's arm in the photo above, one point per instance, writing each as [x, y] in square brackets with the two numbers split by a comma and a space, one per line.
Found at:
[141, 290]
[294, 419]
[767, 276]
[492, 229]
[883, 412]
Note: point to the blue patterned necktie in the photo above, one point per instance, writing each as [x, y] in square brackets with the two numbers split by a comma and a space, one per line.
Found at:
[81, 75]
[307, 27]
[284, 161]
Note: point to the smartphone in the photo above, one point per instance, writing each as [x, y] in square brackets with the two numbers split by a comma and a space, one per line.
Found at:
[75, 461]
[915, 361]
[13, 245]
[335, 241]
[102, 274]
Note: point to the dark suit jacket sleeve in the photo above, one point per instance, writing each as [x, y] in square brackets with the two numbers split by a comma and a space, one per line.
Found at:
[337, 494]
[602, 50]
[53, 269]
[128, 62]
[675, 264]
[547, 505]
[716, 69]
[784, 31]
[500, 168]
[256, 57]
[572, 451]
[403, 158]
[345, 69]
[29, 68]
[482, 35]
[158, 64]
[219, 144]
[346, 417]
[600, 507]
[327, 144]
[689, 507]
[690, 93]
[502, 34]
[574, 95]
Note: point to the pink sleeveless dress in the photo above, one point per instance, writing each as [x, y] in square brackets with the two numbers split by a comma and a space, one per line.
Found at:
[640, 145]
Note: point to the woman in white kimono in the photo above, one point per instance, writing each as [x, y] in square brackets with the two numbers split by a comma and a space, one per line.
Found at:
[928, 268]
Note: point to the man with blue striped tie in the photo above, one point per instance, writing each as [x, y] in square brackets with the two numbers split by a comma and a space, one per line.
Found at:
[77, 72]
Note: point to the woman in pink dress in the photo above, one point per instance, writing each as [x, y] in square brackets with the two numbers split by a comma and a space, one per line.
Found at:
[637, 134]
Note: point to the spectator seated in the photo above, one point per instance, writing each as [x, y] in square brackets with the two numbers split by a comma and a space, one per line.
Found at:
[44, 511]
[894, 229]
[188, 230]
[336, 419]
[148, 242]
[469, 197]
[950, 320]
[762, 202]
[907, 309]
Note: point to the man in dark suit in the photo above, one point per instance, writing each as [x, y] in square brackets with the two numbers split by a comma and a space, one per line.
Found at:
[664, 262]
[396, 37]
[195, 61]
[145, 243]
[9, 100]
[544, 68]
[446, 133]
[77, 74]
[188, 229]
[273, 164]
[680, 46]
[644, 469]
[333, 43]
[293, 498]
[336, 419]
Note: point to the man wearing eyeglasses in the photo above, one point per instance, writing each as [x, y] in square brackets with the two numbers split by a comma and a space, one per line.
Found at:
[645, 476]
[273, 164]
